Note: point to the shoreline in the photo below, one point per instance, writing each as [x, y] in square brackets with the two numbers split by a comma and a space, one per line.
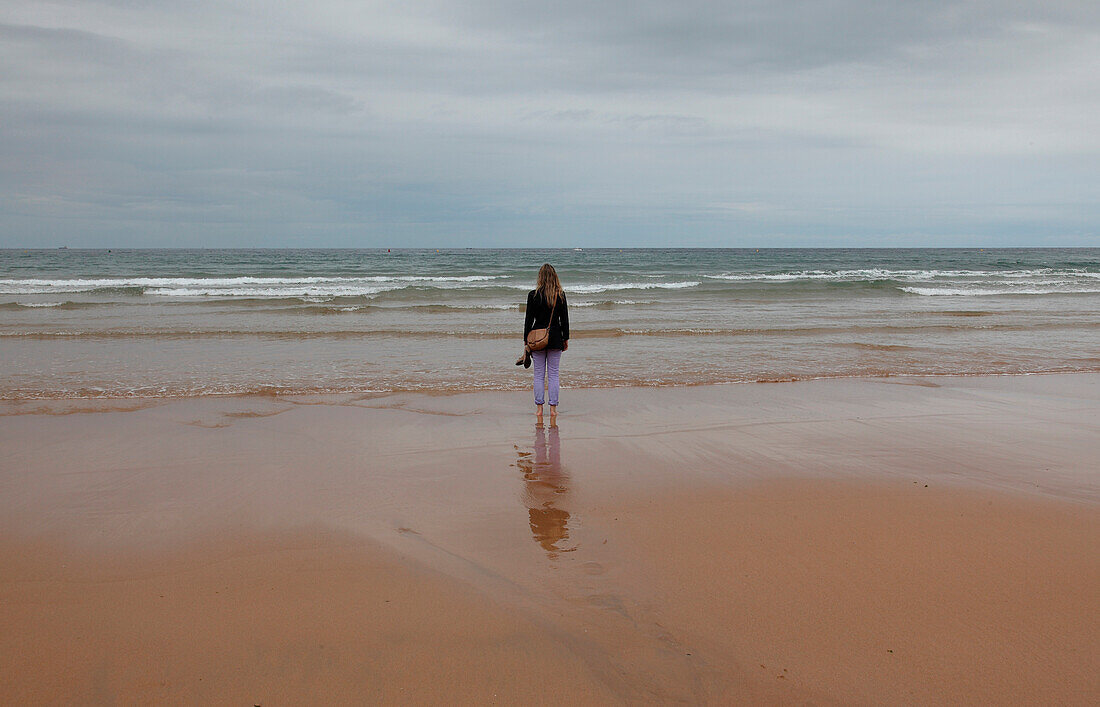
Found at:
[368, 394]
[835, 540]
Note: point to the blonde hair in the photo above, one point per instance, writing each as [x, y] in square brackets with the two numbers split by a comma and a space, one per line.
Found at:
[548, 284]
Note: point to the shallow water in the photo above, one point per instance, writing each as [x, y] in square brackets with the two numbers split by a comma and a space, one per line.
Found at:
[76, 323]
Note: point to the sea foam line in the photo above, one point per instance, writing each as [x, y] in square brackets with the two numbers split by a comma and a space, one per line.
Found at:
[225, 285]
[983, 292]
[912, 275]
[593, 289]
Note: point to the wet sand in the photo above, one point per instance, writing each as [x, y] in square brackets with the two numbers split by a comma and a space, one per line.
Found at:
[896, 540]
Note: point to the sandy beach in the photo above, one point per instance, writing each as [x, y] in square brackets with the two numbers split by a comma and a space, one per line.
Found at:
[901, 540]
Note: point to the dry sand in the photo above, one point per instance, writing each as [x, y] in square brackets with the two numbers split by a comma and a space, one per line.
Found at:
[919, 541]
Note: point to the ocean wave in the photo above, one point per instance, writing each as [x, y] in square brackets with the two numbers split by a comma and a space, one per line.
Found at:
[64, 305]
[498, 291]
[337, 308]
[995, 291]
[241, 286]
[322, 289]
[306, 289]
[910, 275]
[609, 304]
[313, 294]
[590, 333]
[447, 308]
[612, 287]
[332, 305]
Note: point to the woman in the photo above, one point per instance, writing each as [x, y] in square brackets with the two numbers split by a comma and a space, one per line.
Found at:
[546, 308]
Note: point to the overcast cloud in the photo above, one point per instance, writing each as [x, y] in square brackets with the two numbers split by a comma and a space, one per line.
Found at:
[839, 122]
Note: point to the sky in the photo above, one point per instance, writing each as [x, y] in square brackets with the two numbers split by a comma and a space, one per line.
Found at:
[196, 123]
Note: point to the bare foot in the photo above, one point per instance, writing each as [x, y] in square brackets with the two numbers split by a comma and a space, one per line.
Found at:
[553, 413]
[538, 412]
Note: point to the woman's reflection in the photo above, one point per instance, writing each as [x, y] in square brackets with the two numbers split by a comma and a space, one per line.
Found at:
[546, 491]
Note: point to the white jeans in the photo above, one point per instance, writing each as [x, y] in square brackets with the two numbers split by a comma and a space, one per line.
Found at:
[546, 366]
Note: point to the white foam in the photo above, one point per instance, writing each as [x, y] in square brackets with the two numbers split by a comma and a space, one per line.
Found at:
[599, 302]
[316, 293]
[463, 278]
[40, 304]
[248, 286]
[593, 289]
[988, 292]
[488, 306]
[908, 275]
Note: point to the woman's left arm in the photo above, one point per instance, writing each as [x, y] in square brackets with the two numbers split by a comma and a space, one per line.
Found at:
[564, 322]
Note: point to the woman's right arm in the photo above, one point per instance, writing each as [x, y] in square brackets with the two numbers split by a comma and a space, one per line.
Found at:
[529, 318]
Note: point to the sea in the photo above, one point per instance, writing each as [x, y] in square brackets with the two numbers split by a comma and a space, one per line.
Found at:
[178, 323]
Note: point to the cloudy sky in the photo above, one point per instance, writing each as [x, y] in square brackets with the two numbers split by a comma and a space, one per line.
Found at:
[484, 123]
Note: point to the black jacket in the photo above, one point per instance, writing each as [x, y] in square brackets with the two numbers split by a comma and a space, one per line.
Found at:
[538, 317]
